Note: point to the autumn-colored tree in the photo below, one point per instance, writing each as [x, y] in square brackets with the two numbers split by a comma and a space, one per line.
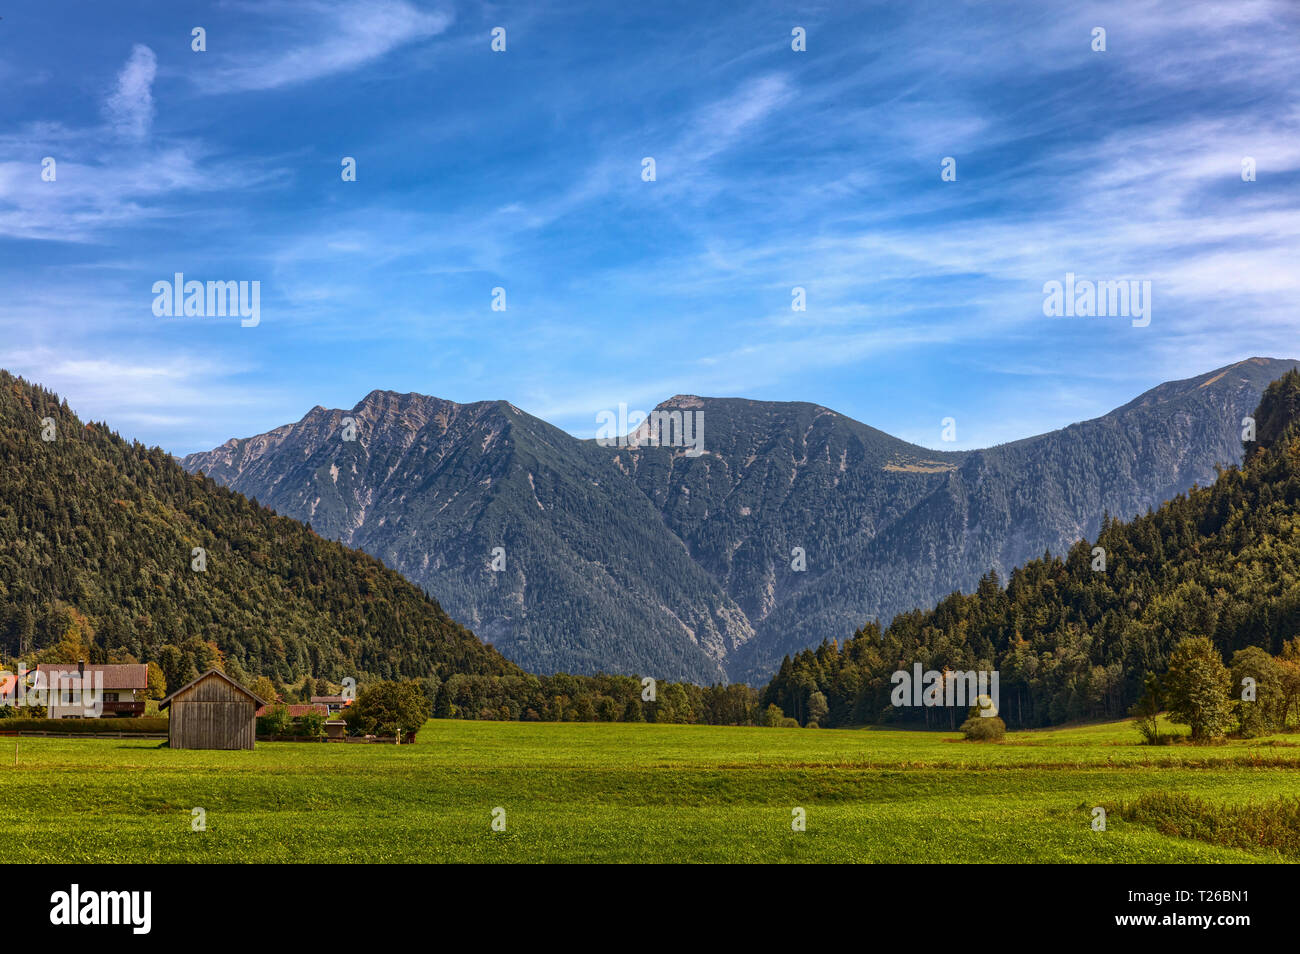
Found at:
[156, 683]
[76, 636]
[265, 689]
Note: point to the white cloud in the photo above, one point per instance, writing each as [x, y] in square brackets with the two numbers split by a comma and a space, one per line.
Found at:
[130, 106]
[114, 191]
[186, 398]
[346, 36]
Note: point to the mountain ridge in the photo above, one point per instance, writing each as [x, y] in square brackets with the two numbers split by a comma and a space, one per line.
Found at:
[651, 559]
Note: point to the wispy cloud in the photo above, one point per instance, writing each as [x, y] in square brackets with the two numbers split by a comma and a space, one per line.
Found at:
[129, 108]
[111, 190]
[775, 169]
[317, 39]
[172, 394]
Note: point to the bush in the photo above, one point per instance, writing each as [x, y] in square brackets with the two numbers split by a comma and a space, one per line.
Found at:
[978, 728]
[276, 721]
[383, 708]
[1274, 824]
[309, 726]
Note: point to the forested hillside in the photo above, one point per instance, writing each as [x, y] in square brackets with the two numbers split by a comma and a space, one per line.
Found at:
[96, 561]
[1071, 640]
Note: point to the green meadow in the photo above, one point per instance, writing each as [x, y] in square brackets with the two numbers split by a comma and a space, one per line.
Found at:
[607, 792]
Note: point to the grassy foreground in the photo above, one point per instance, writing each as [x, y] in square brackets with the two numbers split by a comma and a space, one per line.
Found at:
[620, 792]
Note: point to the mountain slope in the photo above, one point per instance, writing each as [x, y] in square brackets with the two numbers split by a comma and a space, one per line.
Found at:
[1071, 639]
[650, 559]
[432, 488]
[106, 529]
[1005, 505]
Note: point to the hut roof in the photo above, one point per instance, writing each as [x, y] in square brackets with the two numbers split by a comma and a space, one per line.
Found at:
[211, 672]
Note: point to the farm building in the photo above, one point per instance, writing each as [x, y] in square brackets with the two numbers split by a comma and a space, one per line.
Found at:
[333, 703]
[87, 692]
[212, 712]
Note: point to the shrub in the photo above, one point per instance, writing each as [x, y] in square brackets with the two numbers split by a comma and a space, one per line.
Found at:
[1274, 824]
[383, 708]
[978, 728]
[276, 721]
[310, 726]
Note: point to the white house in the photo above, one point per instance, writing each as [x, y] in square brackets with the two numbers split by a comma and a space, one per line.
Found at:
[88, 692]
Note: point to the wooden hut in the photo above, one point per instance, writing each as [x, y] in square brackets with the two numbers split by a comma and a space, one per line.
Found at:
[212, 712]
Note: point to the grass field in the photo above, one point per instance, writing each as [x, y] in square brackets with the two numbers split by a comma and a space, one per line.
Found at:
[620, 792]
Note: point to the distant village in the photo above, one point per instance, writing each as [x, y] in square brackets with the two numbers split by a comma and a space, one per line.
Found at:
[211, 711]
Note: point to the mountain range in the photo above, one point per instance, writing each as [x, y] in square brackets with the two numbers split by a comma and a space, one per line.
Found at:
[795, 524]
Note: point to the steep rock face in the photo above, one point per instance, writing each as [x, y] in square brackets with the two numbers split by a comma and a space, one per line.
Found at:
[589, 576]
[657, 560]
[1005, 505]
[781, 476]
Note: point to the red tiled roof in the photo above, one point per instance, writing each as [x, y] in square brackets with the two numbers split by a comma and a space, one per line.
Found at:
[113, 675]
[294, 710]
[338, 700]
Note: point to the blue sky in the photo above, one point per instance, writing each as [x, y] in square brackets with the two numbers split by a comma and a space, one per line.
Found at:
[522, 170]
